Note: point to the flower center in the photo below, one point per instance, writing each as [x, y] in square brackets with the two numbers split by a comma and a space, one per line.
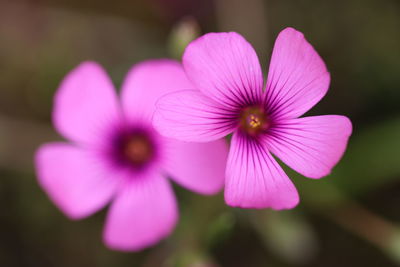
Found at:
[134, 149]
[253, 120]
[137, 149]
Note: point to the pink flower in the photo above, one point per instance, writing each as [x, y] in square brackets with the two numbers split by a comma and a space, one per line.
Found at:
[115, 155]
[225, 69]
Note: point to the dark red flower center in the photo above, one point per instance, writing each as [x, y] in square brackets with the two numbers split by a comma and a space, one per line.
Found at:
[134, 149]
[254, 120]
[137, 149]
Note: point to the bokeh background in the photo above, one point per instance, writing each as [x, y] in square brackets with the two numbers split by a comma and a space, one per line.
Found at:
[350, 218]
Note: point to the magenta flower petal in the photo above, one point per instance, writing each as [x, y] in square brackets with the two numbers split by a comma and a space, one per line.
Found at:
[297, 76]
[199, 167]
[225, 67]
[142, 214]
[74, 179]
[190, 116]
[146, 82]
[254, 179]
[86, 105]
[312, 145]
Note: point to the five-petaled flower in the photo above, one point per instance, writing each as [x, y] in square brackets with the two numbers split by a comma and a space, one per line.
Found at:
[231, 98]
[116, 155]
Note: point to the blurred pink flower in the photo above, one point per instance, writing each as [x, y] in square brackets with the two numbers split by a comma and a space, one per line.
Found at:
[115, 154]
[225, 69]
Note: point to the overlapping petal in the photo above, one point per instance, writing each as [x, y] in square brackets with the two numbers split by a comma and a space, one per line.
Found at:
[312, 145]
[146, 82]
[86, 105]
[190, 116]
[254, 179]
[225, 67]
[74, 178]
[197, 166]
[142, 214]
[297, 76]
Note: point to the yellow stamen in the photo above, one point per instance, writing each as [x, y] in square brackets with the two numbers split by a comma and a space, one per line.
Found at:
[254, 121]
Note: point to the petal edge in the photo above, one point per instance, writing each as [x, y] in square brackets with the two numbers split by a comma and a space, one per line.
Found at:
[188, 115]
[86, 105]
[73, 179]
[312, 145]
[254, 179]
[199, 167]
[225, 67]
[143, 213]
[297, 76]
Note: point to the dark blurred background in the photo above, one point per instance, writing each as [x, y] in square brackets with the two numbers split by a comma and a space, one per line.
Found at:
[350, 218]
